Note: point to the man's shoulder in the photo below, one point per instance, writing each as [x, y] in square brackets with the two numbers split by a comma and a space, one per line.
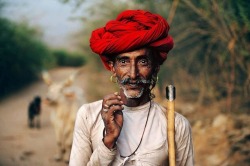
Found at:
[90, 109]
[92, 104]
[158, 106]
[179, 118]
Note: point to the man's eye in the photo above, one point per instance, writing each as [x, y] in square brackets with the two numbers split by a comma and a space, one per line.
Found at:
[143, 61]
[123, 61]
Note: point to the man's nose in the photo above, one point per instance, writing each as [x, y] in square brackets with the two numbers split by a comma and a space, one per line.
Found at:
[133, 70]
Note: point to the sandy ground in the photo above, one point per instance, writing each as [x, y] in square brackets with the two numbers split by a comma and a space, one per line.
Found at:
[20, 145]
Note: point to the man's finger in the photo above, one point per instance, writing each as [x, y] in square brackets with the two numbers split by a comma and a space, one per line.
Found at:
[112, 96]
[115, 108]
[109, 103]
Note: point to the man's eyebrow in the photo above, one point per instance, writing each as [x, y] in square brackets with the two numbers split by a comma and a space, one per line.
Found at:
[127, 56]
[143, 56]
[122, 57]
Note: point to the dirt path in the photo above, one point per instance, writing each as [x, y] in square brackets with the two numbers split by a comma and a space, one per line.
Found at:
[20, 145]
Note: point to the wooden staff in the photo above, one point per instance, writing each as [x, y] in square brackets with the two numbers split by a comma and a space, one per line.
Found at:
[170, 95]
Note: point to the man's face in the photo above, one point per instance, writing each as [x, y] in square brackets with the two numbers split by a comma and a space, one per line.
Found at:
[134, 72]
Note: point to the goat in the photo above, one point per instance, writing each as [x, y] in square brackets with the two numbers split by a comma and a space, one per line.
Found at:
[65, 100]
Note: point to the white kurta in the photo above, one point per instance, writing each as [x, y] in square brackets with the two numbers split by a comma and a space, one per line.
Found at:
[88, 148]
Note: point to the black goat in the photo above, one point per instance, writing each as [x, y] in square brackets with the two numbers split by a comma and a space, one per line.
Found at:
[34, 111]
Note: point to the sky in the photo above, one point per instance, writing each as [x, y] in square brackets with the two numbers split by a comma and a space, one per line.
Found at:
[56, 20]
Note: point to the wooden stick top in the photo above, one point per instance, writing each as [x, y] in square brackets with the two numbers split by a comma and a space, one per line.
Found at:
[170, 92]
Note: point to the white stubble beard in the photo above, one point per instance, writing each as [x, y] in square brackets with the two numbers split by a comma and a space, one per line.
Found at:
[130, 96]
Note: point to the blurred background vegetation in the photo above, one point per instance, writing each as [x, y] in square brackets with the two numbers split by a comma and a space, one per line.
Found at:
[210, 60]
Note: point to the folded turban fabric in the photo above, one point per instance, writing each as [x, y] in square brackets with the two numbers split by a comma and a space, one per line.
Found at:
[132, 29]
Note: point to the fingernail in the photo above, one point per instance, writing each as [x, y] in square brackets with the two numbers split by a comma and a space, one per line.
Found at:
[116, 93]
[119, 97]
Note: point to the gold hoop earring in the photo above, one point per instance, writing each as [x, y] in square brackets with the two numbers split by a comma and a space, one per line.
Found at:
[112, 80]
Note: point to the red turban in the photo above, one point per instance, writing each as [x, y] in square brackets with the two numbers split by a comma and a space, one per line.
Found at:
[132, 29]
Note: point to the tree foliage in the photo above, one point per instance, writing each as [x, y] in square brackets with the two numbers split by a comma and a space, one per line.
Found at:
[65, 58]
[22, 56]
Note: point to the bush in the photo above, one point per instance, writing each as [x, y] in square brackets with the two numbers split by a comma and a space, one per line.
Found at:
[64, 58]
[22, 56]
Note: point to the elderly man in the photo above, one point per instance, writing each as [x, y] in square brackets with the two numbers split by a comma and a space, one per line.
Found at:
[128, 127]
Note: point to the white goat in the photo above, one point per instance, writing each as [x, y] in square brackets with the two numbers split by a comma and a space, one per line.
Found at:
[65, 100]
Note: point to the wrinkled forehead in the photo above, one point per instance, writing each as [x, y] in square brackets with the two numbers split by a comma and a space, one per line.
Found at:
[135, 54]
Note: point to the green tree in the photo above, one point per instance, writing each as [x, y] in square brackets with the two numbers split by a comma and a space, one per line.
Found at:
[65, 58]
[22, 56]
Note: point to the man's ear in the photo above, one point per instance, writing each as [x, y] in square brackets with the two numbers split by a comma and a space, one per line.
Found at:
[111, 66]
